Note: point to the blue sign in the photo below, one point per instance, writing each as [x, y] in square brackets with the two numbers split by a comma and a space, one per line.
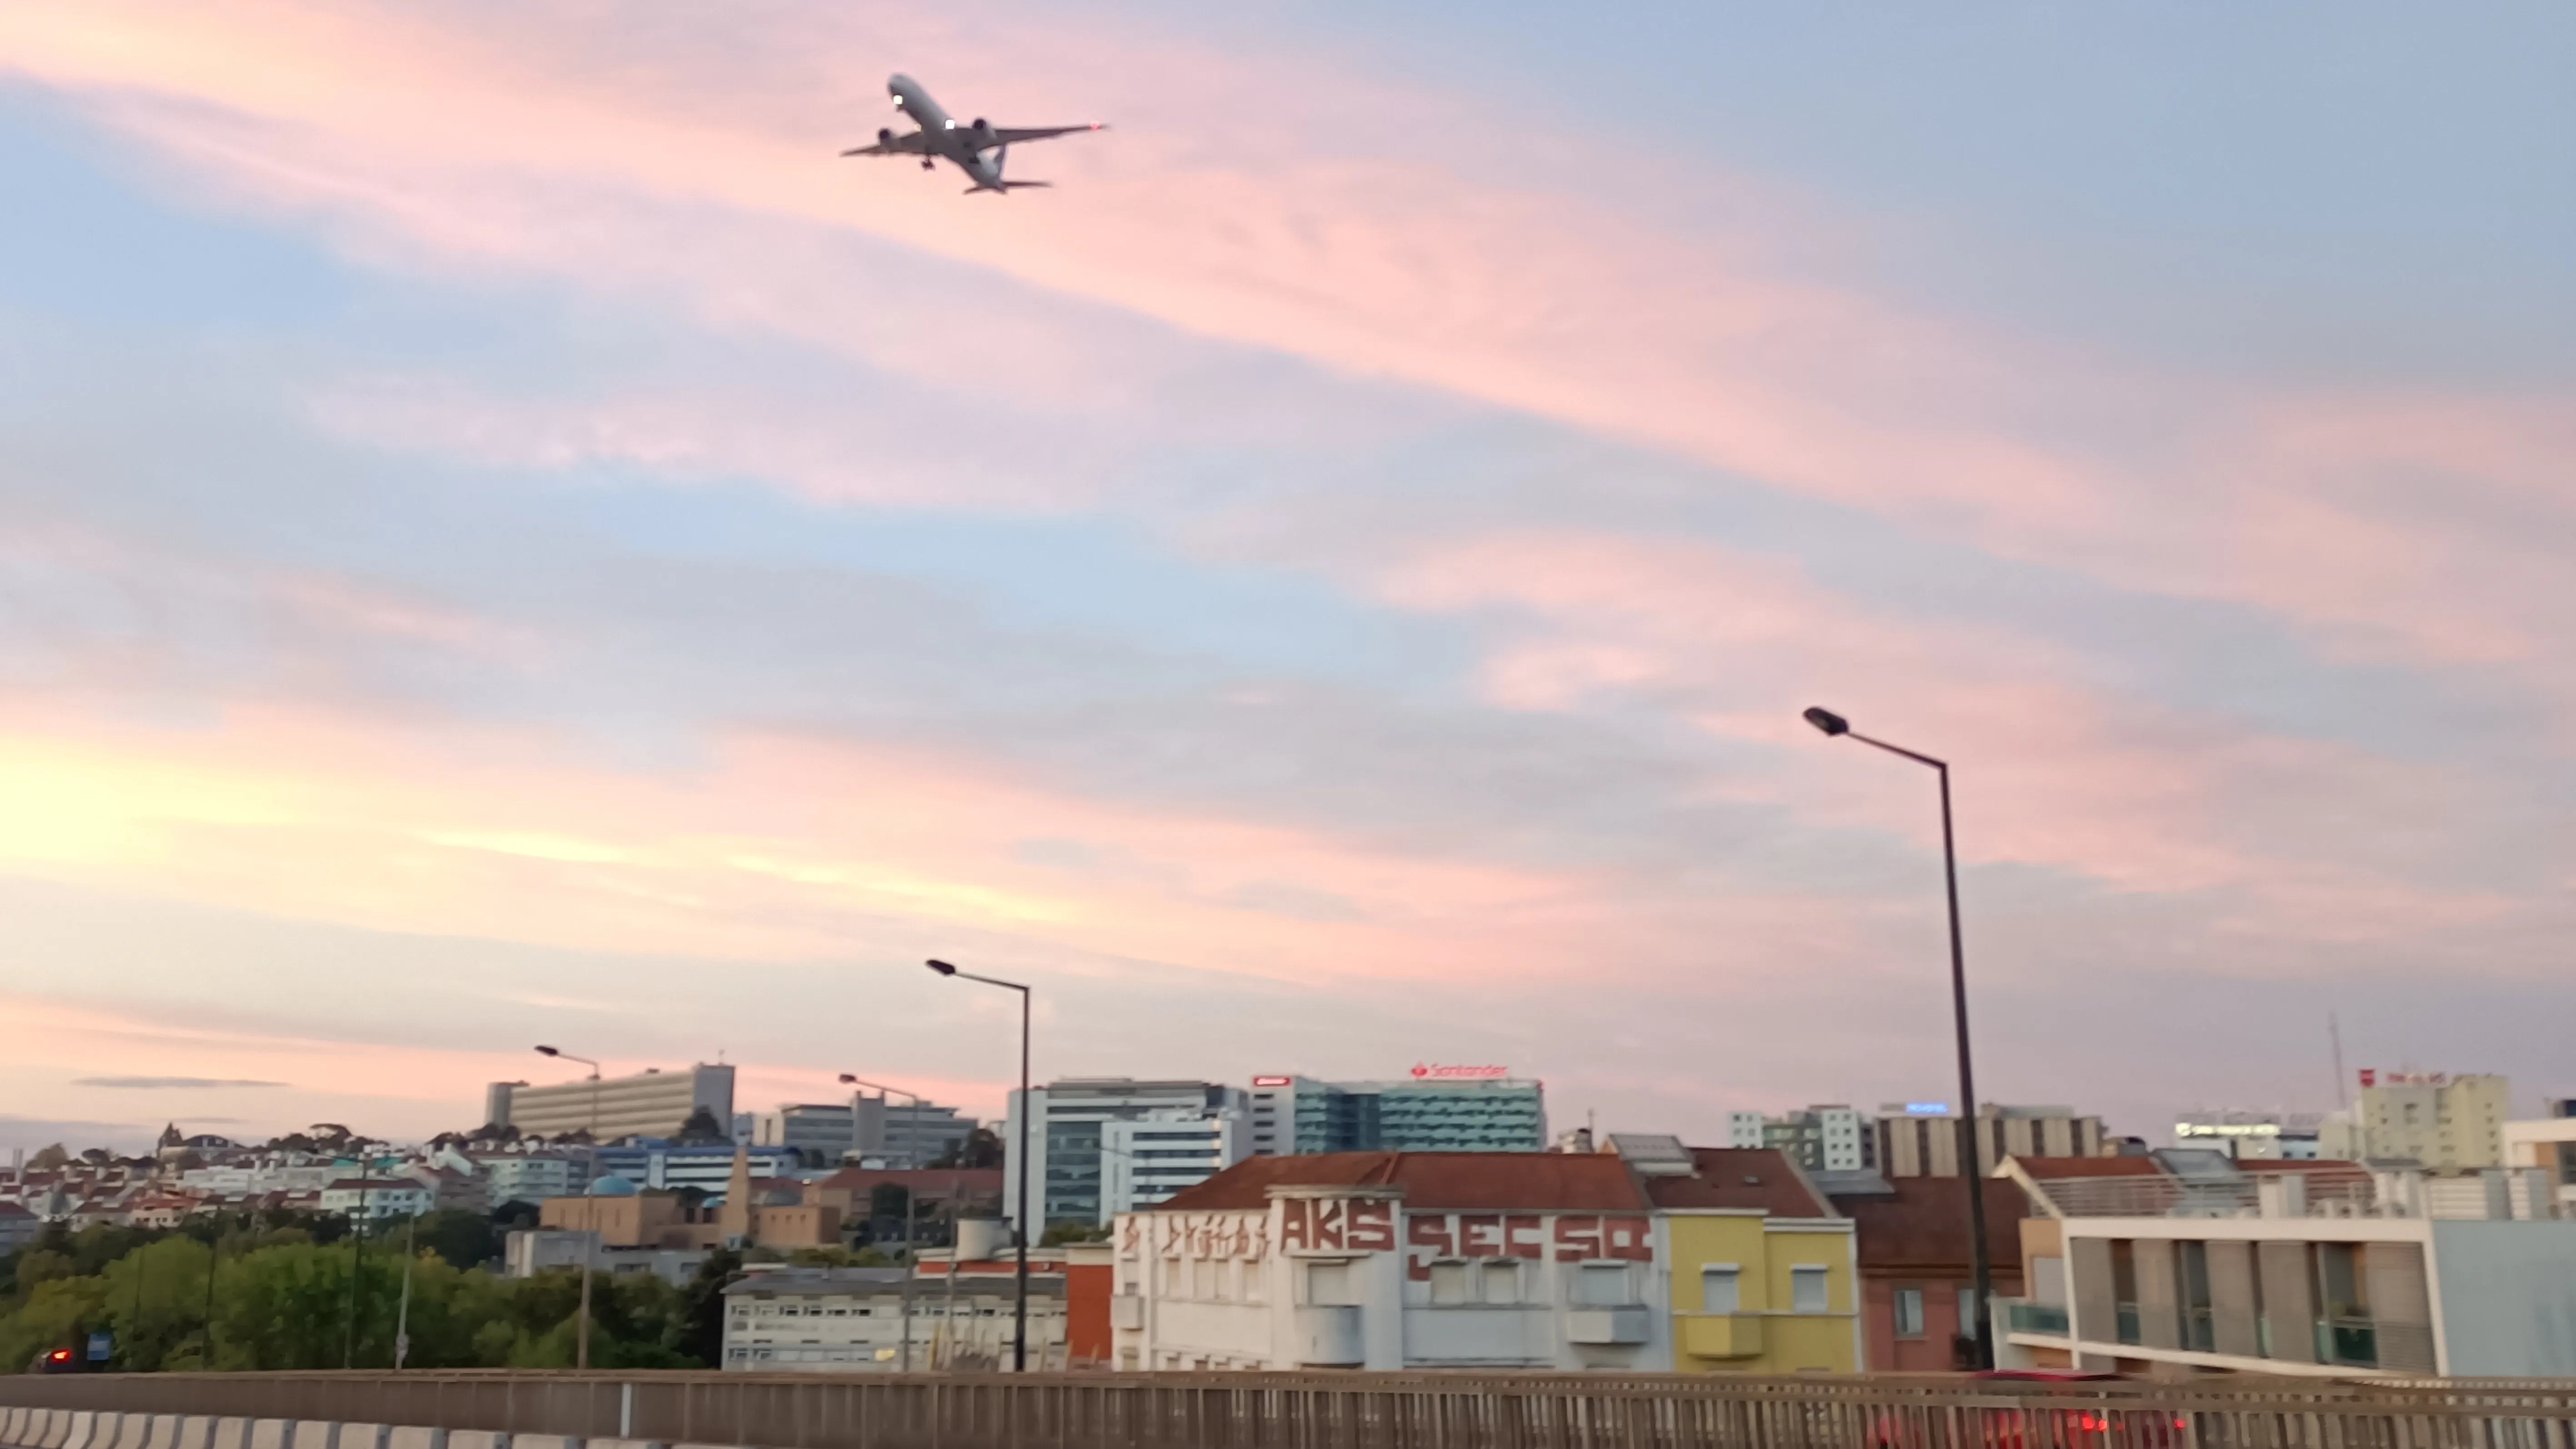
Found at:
[1927, 1109]
[98, 1346]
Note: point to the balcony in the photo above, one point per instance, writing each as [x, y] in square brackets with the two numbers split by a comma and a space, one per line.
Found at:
[1328, 1336]
[1607, 1326]
[1722, 1335]
[2024, 1316]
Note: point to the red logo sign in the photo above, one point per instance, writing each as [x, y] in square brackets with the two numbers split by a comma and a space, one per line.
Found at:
[2369, 1077]
[1438, 1069]
[1270, 1081]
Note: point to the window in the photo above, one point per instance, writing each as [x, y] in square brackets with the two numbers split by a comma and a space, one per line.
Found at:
[1448, 1283]
[1717, 1290]
[1601, 1285]
[1329, 1284]
[1908, 1305]
[1501, 1280]
[1807, 1288]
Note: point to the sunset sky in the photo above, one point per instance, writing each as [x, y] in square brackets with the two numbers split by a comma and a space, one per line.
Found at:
[505, 537]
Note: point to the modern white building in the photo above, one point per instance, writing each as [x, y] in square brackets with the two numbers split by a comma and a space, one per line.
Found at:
[2546, 1145]
[377, 1197]
[651, 1103]
[1413, 1260]
[872, 1320]
[1071, 1142]
[528, 1177]
[2300, 1268]
[2252, 1136]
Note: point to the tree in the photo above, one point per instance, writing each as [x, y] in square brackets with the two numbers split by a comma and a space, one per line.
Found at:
[462, 1239]
[702, 1127]
[50, 1157]
[980, 1149]
[1058, 1234]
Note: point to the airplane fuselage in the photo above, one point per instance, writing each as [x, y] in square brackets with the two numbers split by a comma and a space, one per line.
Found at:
[972, 146]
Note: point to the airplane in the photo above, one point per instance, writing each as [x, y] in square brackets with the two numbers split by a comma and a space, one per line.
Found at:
[978, 147]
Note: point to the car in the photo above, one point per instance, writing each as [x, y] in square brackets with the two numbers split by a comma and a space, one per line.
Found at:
[55, 1361]
[2038, 1424]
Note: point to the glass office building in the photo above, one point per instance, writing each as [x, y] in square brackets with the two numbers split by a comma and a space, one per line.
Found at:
[1292, 1115]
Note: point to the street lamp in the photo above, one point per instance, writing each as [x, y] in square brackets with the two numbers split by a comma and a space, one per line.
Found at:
[1970, 1164]
[590, 1245]
[911, 1204]
[1020, 1313]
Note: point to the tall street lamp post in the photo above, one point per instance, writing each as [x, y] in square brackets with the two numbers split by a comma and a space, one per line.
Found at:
[590, 1244]
[911, 1204]
[1020, 1312]
[1970, 1164]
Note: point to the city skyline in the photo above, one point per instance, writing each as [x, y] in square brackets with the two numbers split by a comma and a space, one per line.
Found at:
[504, 538]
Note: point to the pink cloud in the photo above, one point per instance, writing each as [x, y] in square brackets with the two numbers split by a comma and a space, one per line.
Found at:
[1240, 206]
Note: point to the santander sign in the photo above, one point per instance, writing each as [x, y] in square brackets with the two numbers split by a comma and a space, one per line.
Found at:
[1439, 1069]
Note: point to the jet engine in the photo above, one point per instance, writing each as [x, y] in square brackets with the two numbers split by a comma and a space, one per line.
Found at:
[885, 135]
[984, 136]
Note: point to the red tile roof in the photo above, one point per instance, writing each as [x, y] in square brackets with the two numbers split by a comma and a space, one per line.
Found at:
[1568, 1181]
[1924, 1226]
[1759, 1178]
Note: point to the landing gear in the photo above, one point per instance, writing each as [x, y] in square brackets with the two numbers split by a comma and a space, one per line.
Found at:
[929, 163]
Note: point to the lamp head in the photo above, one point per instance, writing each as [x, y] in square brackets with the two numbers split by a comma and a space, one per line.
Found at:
[942, 967]
[1828, 721]
[546, 1051]
[848, 1081]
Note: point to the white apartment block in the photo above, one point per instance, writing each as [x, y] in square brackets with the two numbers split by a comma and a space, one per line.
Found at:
[872, 1320]
[2436, 1120]
[1285, 1263]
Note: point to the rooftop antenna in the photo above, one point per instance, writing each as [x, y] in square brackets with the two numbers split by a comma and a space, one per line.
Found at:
[2334, 1033]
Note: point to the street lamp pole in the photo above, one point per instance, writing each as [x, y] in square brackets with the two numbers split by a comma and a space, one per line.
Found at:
[1971, 1165]
[1020, 1312]
[911, 1204]
[590, 1243]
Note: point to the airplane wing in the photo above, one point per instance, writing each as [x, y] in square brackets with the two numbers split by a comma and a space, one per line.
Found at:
[915, 144]
[1013, 135]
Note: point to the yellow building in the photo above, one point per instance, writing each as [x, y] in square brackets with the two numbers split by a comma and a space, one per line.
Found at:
[1765, 1275]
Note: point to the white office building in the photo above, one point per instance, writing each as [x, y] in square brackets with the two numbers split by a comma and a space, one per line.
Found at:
[898, 1133]
[648, 1104]
[2440, 1121]
[1822, 1138]
[1071, 1144]
[2252, 1136]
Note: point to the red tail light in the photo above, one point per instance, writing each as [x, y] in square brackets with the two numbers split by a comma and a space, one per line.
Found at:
[60, 1355]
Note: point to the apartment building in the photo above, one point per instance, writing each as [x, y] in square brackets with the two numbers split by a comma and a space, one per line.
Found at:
[2547, 1145]
[885, 1320]
[1763, 1272]
[1478, 1112]
[1387, 1260]
[2439, 1121]
[2252, 1135]
[2181, 1262]
[1921, 1139]
[1917, 1277]
[1823, 1138]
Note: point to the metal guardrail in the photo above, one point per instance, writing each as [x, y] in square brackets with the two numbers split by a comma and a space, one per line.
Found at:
[1366, 1411]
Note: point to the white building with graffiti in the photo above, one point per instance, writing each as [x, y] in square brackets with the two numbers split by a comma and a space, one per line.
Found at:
[1395, 1260]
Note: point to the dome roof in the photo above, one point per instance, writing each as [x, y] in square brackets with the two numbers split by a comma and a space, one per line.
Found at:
[611, 1185]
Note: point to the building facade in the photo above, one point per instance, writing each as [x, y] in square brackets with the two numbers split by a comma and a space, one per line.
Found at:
[1921, 1139]
[1822, 1138]
[2285, 1136]
[2435, 1120]
[648, 1104]
[1069, 1141]
[1763, 1273]
[1427, 1113]
[885, 1320]
[707, 1166]
[1917, 1276]
[2546, 1145]
[1386, 1260]
[2301, 1295]
[897, 1134]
